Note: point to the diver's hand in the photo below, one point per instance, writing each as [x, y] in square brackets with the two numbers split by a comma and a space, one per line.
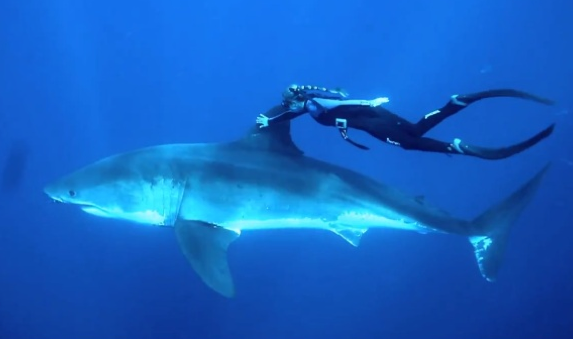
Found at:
[263, 120]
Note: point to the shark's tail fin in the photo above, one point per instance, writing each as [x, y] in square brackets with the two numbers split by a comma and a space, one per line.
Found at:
[493, 226]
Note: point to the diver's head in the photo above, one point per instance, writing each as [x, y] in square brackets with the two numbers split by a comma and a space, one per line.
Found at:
[293, 99]
[291, 92]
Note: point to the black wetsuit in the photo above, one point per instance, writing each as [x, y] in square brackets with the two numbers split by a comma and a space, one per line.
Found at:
[391, 128]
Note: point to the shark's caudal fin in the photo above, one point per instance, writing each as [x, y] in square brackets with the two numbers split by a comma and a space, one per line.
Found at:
[205, 247]
[494, 225]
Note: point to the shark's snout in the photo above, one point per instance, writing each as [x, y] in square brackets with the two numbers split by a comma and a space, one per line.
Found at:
[55, 192]
[50, 190]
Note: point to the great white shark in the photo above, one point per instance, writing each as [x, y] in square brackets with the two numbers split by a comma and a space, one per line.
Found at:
[211, 192]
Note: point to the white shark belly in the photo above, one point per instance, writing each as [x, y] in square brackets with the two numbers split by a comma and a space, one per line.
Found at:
[346, 220]
[260, 208]
[292, 214]
[349, 226]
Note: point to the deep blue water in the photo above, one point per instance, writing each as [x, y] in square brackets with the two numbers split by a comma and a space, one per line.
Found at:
[83, 80]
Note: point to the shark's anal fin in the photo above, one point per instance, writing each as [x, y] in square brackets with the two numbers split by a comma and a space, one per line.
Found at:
[205, 247]
[351, 235]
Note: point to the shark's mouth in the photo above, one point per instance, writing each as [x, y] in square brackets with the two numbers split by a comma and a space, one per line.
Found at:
[58, 200]
[94, 210]
[88, 208]
[140, 216]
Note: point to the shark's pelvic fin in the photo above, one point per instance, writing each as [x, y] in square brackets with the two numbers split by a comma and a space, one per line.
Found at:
[352, 235]
[205, 247]
[493, 227]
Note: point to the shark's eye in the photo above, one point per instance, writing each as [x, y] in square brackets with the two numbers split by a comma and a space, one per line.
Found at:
[72, 193]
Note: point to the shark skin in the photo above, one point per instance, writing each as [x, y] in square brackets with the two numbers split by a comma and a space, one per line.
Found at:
[210, 193]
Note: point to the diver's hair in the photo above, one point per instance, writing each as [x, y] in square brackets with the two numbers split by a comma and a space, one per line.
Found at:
[316, 88]
[310, 92]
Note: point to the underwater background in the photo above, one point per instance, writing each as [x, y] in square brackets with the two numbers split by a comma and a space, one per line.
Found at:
[81, 80]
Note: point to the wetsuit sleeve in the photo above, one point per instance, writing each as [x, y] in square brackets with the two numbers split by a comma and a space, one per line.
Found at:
[287, 115]
[330, 103]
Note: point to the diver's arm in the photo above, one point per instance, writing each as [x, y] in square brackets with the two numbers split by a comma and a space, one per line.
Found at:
[329, 103]
[285, 116]
[277, 115]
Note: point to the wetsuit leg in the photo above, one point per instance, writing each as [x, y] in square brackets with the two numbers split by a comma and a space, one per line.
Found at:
[422, 144]
[401, 133]
[459, 102]
[397, 131]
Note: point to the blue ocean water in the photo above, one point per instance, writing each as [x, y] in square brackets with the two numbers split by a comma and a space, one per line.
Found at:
[83, 80]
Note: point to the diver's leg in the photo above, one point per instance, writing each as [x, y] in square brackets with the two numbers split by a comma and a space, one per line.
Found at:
[502, 152]
[424, 144]
[459, 102]
[395, 130]
[409, 142]
[401, 135]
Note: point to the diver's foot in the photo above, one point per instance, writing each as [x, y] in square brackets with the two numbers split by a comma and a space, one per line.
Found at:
[458, 100]
[463, 148]
[457, 145]
[484, 152]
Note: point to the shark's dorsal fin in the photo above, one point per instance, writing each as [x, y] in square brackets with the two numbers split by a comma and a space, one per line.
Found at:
[274, 138]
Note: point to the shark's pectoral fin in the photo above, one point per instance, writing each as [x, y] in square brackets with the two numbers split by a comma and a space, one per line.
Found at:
[205, 247]
[352, 235]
